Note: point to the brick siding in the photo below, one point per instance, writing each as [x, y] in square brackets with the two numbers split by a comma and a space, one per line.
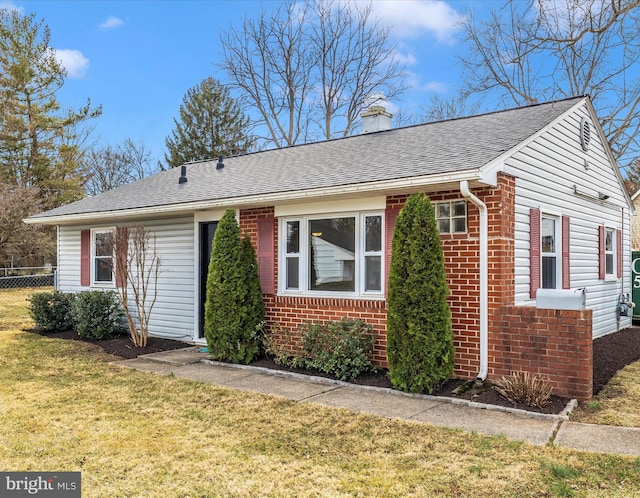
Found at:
[461, 252]
[555, 344]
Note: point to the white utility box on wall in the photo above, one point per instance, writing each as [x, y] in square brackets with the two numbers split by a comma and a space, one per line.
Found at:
[562, 299]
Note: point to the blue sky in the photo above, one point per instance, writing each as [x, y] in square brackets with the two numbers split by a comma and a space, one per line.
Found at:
[138, 58]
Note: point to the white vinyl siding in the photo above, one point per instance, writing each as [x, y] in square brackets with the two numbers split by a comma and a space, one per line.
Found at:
[173, 314]
[546, 172]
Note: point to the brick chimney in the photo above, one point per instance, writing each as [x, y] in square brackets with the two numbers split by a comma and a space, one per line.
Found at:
[376, 118]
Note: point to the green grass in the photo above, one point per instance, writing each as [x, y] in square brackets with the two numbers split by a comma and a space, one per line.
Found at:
[64, 407]
[617, 404]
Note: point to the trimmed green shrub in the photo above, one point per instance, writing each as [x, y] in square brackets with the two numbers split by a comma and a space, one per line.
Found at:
[420, 347]
[234, 310]
[343, 349]
[52, 311]
[98, 315]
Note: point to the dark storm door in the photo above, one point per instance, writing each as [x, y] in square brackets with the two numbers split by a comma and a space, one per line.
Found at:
[207, 230]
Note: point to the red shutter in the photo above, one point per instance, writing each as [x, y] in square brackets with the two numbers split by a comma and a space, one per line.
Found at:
[122, 250]
[534, 252]
[601, 262]
[391, 214]
[266, 267]
[85, 258]
[566, 243]
[619, 251]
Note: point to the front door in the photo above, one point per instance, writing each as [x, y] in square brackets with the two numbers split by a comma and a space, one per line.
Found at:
[207, 229]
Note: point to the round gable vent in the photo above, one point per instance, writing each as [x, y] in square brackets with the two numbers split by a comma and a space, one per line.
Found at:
[585, 134]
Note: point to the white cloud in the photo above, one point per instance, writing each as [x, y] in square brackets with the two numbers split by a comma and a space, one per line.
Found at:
[111, 22]
[407, 59]
[414, 82]
[73, 61]
[412, 18]
[10, 6]
[434, 86]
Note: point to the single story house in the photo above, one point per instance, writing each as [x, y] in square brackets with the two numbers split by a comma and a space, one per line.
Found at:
[526, 199]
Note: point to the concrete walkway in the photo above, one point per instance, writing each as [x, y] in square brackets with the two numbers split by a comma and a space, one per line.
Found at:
[453, 413]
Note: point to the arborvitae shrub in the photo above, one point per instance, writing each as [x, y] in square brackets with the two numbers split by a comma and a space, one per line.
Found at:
[234, 310]
[52, 311]
[98, 315]
[420, 348]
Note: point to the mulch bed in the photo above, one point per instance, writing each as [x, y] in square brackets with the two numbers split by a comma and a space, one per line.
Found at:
[610, 354]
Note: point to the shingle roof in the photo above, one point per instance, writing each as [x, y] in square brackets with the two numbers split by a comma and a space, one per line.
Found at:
[426, 149]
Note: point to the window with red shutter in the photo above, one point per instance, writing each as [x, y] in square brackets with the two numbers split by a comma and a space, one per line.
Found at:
[391, 214]
[266, 255]
[534, 251]
[85, 258]
[566, 245]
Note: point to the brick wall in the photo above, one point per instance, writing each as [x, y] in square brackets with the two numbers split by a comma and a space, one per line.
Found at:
[461, 253]
[556, 344]
[285, 312]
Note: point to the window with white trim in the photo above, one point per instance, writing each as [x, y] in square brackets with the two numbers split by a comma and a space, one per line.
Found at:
[102, 255]
[550, 252]
[331, 255]
[451, 216]
[609, 252]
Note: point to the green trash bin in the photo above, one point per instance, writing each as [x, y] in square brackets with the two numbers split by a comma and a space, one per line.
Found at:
[635, 278]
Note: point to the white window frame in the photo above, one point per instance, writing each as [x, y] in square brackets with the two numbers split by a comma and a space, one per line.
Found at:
[303, 256]
[94, 257]
[610, 275]
[557, 253]
[451, 218]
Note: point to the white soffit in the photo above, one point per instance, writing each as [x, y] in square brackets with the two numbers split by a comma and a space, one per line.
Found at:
[365, 204]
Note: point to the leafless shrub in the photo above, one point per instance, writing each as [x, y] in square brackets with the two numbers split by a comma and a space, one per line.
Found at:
[281, 345]
[137, 268]
[525, 388]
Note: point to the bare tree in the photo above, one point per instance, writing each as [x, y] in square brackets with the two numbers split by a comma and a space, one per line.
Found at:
[355, 63]
[538, 50]
[110, 167]
[137, 270]
[440, 109]
[309, 68]
[25, 245]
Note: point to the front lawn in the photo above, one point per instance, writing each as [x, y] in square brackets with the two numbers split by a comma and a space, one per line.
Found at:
[64, 407]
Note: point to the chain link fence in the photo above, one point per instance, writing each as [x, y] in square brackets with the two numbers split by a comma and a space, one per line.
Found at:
[20, 278]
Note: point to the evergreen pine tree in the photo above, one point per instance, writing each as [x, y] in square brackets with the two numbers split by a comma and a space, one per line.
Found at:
[233, 306]
[419, 335]
[39, 151]
[211, 124]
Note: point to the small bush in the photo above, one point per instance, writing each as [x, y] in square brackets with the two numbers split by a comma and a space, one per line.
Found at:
[52, 311]
[280, 351]
[342, 349]
[525, 388]
[98, 314]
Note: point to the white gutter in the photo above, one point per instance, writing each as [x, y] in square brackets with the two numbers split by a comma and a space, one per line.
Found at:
[484, 287]
[370, 188]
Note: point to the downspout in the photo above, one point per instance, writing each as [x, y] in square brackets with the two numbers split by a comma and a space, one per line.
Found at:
[484, 285]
